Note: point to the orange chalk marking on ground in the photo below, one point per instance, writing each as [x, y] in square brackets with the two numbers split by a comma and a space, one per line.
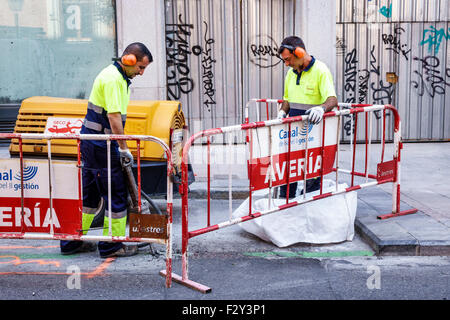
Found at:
[14, 260]
[101, 268]
[17, 261]
[26, 247]
[34, 273]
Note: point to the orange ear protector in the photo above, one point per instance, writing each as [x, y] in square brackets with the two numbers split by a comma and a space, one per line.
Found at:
[299, 52]
[128, 59]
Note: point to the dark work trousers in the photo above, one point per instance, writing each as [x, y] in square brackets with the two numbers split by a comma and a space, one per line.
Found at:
[94, 176]
[311, 184]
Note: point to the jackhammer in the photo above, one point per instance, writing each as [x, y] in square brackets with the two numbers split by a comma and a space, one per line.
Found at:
[133, 200]
[133, 204]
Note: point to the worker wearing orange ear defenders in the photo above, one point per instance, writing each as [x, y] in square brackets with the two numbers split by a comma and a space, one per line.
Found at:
[106, 114]
[308, 89]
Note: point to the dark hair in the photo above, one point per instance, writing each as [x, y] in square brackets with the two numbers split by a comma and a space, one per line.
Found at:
[291, 43]
[139, 50]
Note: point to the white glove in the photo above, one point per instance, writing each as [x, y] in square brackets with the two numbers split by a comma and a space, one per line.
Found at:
[315, 114]
[281, 114]
[126, 158]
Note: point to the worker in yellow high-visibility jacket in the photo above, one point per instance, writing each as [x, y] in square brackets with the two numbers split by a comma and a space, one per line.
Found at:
[106, 114]
[308, 89]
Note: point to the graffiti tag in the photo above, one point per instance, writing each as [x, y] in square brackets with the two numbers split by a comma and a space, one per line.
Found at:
[340, 46]
[394, 42]
[434, 38]
[178, 51]
[385, 11]
[262, 50]
[207, 71]
[429, 77]
[358, 80]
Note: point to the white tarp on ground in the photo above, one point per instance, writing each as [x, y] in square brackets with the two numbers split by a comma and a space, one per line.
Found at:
[327, 220]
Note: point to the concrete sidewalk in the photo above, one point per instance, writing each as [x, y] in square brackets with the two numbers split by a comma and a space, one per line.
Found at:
[425, 176]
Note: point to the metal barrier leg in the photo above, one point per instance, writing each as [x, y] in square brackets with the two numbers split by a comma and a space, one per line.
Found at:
[183, 279]
[396, 185]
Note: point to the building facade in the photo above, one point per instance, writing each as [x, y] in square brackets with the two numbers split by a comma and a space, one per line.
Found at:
[397, 52]
[214, 56]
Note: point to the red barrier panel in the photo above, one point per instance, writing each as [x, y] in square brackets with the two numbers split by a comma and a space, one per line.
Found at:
[310, 151]
[42, 199]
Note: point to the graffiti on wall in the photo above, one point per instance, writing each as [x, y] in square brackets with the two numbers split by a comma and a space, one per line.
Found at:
[386, 11]
[178, 53]
[207, 69]
[394, 42]
[350, 72]
[263, 51]
[357, 83]
[429, 77]
[433, 37]
[423, 70]
[340, 46]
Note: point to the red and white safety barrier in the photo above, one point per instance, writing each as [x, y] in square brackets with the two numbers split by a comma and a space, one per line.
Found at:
[298, 159]
[255, 104]
[51, 208]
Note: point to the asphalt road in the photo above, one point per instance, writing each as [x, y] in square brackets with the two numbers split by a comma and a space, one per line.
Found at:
[235, 264]
[230, 275]
[249, 278]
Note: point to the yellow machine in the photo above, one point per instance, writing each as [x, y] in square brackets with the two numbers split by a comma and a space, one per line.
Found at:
[155, 118]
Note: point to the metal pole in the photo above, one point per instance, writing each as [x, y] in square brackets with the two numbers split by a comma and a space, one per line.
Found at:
[354, 148]
[250, 172]
[288, 163]
[383, 136]
[138, 145]
[170, 219]
[209, 179]
[80, 190]
[230, 175]
[305, 163]
[50, 186]
[337, 149]
[270, 167]
[22, 204]
[321, 154]
[108, 144]
[370, 145]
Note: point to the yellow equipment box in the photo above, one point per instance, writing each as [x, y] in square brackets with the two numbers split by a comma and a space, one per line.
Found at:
[153, 118]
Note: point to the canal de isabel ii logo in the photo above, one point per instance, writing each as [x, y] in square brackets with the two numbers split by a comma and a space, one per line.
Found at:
[28, 173]
[10, 181]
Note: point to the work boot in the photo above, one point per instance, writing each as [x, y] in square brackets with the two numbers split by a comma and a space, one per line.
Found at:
[86, 246]
[125, 251]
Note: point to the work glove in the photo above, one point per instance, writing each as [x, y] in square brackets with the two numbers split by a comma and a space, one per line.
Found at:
[315, 114]
[281, 114]
[126, 158]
